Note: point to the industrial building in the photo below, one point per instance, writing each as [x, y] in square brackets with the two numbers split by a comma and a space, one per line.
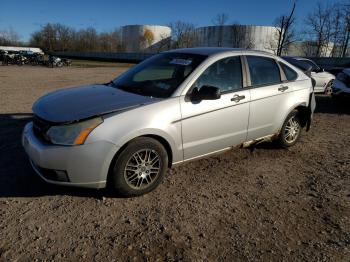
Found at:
[145, 38]
[309, 48]
[157, 38]
[239, 36]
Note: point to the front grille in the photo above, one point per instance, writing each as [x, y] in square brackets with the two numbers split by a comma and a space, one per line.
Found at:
[40, 127]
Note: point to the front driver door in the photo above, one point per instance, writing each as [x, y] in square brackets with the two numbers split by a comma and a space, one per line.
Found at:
[212, 125]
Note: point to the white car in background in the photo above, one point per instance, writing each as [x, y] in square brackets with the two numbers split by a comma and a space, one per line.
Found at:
[324, 80]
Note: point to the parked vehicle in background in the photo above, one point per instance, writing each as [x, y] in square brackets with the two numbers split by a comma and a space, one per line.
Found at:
[10, 57]
[14, 58]
[20, 59]
[323, 79]
[33, 58]
[37, 59]
[341, 85]
[2, 54]
[55, 61]
[174, 107]
[66, 62]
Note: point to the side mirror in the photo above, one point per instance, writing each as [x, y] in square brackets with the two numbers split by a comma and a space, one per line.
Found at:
[319, 70]
[205, 93]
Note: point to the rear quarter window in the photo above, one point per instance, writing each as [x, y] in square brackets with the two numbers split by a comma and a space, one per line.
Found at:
[289, 72]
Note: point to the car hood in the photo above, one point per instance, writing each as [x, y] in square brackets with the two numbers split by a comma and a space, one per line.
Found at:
[324, 75]
[72, 104]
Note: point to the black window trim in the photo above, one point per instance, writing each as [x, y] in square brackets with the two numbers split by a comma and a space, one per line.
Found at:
[249, 83]
[286, 80]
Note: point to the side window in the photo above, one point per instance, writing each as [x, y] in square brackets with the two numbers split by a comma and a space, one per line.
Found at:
[289, 72]
[263, 71]
[226, 74]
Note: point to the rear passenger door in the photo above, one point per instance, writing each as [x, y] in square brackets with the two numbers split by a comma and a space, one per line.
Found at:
[268, 94]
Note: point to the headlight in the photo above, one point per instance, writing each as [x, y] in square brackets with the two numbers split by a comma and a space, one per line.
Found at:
[73, 134]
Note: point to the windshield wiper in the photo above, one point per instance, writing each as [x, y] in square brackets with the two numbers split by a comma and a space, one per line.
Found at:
[111, 83]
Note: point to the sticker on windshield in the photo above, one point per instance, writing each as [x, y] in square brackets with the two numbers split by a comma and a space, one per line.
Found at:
[179, 61]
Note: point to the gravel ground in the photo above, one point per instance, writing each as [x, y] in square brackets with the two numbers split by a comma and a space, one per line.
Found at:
[256, 204]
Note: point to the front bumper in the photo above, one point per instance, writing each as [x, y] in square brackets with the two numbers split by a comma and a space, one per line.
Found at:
[85, 165]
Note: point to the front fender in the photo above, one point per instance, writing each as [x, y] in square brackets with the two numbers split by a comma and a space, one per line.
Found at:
[153, 132]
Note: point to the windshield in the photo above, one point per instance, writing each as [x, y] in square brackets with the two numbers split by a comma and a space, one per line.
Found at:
[301, 64]
[160, 75]
[313, 65]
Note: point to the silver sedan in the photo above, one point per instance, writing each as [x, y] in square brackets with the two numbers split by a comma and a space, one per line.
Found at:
[174, 107]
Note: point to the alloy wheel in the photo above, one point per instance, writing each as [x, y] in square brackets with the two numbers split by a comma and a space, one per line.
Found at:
[292, 130]
[142, 169]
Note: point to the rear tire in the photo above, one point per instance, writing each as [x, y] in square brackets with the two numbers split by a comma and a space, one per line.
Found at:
[139, 168]
[290, 131]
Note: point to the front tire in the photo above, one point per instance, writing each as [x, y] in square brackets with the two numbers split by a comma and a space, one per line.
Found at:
[139, 168]
[328, 89]
[290, 131]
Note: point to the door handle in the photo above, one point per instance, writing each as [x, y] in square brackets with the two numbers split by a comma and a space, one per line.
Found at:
[283, 88]
[237, 98]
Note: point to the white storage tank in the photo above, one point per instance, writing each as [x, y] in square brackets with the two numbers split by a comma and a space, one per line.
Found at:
[146, 38]
[263, 38]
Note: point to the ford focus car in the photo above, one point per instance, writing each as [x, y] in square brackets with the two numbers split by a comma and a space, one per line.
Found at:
[174, 107]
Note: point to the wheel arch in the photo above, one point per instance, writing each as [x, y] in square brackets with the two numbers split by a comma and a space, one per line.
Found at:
[159, 138]
[303, 113]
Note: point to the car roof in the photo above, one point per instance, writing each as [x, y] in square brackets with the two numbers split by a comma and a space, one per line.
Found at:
[208, 51]
[298, 58]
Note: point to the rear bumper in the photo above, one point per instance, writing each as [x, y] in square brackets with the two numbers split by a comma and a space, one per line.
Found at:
[86, 165]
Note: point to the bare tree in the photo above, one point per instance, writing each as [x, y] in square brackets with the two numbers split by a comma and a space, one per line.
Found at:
[220, 19]
[9, 37]
[346, 30]
[164, 43]
[285, 31]
[242, 37]
[320, 27]
[109, 41]
[58, 37]
[183, 34]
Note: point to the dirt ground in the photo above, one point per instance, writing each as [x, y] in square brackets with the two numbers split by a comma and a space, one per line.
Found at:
[256, 204]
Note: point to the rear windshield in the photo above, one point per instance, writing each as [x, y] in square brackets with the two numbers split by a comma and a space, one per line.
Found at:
[160, 75]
